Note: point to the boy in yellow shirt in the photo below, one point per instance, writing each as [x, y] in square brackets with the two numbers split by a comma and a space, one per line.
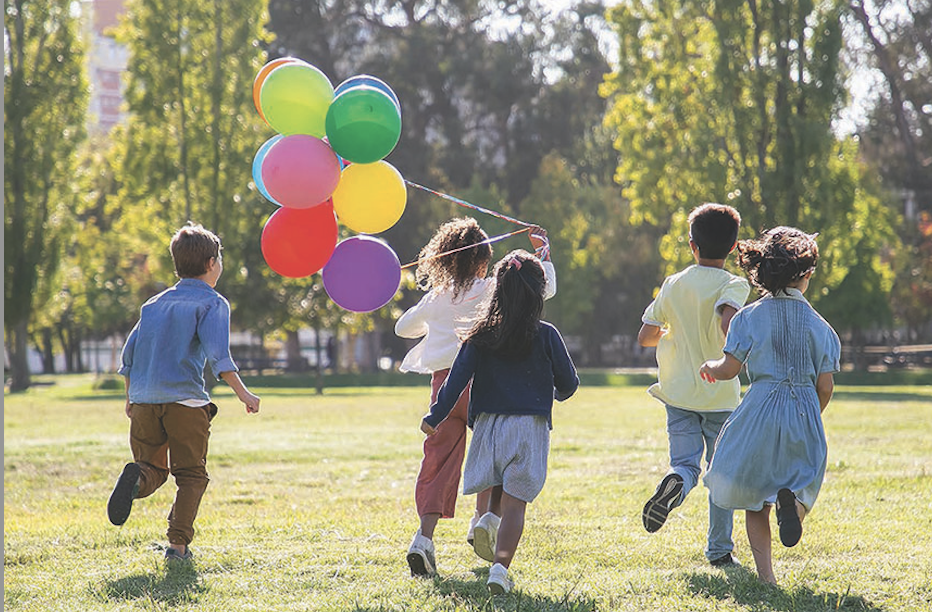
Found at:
[687, 322]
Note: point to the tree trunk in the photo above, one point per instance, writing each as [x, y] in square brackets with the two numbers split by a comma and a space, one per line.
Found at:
[19, 363]
[296, 363]
[318, 349]
[48, 356]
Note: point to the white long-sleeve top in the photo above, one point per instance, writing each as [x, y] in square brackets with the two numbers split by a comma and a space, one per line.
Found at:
[441, 321]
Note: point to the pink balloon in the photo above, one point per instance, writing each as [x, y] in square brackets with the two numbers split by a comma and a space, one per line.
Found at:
[300, 171]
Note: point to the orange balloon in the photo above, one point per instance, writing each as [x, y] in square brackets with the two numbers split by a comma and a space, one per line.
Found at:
[263, 73]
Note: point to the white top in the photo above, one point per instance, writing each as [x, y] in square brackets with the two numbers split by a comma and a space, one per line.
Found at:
[442, 321]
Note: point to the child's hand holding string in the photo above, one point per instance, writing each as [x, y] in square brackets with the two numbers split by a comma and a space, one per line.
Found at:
[539, 241]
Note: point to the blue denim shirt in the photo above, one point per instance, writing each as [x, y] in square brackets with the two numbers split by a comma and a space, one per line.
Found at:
[178, 332]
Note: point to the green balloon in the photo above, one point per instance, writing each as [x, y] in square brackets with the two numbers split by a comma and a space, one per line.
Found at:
[363, 124]
[295, 98]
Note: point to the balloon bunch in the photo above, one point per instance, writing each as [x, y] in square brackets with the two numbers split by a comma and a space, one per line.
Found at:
[324, 165]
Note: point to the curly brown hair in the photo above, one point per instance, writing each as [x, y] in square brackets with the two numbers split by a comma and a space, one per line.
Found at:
[456, 270]
[779, 258]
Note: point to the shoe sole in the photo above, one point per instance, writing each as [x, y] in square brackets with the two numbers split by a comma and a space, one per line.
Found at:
[483, 543]
[658, 507]
[496, 589]
[121, 500]
[791, 529]
[419, 566]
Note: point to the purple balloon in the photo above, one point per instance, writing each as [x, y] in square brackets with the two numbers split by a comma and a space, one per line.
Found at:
[362, 275]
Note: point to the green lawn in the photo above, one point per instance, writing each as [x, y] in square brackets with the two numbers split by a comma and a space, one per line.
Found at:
[311, 507]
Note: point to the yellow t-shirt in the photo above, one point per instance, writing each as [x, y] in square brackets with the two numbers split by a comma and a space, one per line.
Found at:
[688, 309]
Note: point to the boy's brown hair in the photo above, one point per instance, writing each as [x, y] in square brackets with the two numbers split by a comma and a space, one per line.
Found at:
[714, 229]
[192, 248]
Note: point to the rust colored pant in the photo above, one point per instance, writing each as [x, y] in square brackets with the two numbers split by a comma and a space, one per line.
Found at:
[439, 478]
[160, 433]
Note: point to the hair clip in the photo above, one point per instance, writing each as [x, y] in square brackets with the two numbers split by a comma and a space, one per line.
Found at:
[514, 262]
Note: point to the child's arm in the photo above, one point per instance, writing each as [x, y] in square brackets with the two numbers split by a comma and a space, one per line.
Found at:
[128, 409]
[252, 401]
[464, 366]
[728, 311]
[725, 368]
[649, 335]
[825, 386]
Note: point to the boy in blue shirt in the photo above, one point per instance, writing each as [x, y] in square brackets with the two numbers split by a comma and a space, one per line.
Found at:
[179, 331]
[687, 322]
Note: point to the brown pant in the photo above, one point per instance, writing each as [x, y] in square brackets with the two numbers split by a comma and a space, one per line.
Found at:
[160, 431]
[439, 478]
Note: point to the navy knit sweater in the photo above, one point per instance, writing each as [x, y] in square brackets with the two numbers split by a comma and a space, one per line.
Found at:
[525, 386]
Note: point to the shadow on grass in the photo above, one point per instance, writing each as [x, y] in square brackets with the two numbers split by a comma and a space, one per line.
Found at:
[474, 595]
[177, 584]
[742, 586]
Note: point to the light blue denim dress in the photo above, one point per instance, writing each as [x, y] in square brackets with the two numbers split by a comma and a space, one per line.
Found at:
[775, 438]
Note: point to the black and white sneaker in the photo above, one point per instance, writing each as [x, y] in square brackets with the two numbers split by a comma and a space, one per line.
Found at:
[121, 500]
[664, 499]
[420, 557]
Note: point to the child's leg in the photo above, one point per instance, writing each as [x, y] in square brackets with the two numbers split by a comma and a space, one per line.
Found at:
[439, 477]
[687, 442]
[188, 430]
[511, 528]
[721, 521]
[684, 432]
[758, 528]
[483, 502]
[149, 443]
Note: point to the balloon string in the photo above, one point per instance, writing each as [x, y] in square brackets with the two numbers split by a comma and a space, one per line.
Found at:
[487, 241]
[468, 205]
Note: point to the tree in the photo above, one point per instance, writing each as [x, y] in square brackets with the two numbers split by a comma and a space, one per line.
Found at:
[187, 148]
[733, 102]
[45, 96]
[896, 139]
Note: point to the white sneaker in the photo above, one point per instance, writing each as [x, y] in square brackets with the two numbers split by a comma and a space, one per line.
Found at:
[421, 556]
[499, 582]
[485, 535]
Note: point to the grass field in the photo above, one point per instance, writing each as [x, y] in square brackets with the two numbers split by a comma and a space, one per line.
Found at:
[310, 507]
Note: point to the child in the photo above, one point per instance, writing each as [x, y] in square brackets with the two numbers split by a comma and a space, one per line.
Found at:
[178, 332]
[772, 448]
[518, 365]
[455, 277]
[687, 322]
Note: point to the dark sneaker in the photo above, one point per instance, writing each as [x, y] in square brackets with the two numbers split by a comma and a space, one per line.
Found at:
[791, 528]
[658, 507]
[121, 500]
[173, 555]
[725, 560]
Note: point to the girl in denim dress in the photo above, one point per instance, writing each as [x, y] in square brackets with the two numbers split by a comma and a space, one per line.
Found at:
[772, 450]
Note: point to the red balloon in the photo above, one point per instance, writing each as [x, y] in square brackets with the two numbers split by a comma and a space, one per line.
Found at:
[297, 242]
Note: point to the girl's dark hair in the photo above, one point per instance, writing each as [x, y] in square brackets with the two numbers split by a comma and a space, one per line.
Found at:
[513, 317]
[192, 247]
[458, 270]
[779, 258]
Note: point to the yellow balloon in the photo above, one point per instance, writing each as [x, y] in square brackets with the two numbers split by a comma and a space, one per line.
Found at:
[370, 198]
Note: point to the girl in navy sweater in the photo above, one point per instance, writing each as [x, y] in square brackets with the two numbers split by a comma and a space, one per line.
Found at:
[518, 365]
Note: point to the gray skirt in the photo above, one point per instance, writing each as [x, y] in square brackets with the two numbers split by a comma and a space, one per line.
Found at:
[508, 450]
